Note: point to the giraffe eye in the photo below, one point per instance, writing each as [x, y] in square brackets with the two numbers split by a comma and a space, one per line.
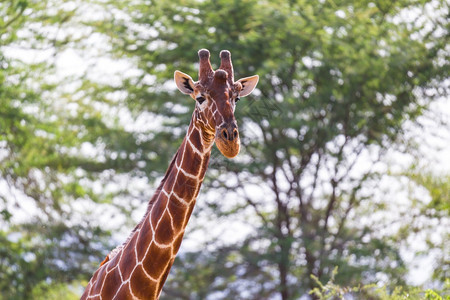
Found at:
[200, 99]
[237, 99]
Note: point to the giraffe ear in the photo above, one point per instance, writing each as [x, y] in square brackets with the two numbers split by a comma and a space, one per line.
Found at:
[248, 85]
[184, 82]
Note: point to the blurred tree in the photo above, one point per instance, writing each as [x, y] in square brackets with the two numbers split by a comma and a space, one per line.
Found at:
[338, 80]
[437, 209]
[49, 205]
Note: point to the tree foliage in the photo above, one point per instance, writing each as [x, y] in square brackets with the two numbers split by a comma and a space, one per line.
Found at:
[49, 226]
[338, 80]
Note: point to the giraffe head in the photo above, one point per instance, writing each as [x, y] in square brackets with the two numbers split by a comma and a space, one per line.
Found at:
[216, 94]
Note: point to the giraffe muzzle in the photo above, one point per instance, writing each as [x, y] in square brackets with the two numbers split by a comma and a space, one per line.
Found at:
[227, 140]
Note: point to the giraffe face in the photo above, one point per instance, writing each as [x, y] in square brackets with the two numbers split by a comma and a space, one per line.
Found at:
[216, 95]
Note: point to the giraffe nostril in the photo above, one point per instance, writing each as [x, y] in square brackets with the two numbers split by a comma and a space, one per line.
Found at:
[235, 133]
[225, 134]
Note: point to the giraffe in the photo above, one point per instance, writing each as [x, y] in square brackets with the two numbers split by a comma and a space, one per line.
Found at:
[138, 268]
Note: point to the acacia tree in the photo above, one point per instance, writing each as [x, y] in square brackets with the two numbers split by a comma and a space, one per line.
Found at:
[50, 233]
[338, 80]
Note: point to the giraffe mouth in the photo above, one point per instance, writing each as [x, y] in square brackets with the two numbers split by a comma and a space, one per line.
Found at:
[228, 148]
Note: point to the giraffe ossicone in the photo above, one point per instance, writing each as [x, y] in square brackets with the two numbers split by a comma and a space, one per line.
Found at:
[138, 268]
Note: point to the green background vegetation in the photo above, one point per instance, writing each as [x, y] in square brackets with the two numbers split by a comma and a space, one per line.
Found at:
[314, 188]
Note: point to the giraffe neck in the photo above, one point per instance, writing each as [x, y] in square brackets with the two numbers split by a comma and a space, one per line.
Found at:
[169, 212]
[141, 265]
